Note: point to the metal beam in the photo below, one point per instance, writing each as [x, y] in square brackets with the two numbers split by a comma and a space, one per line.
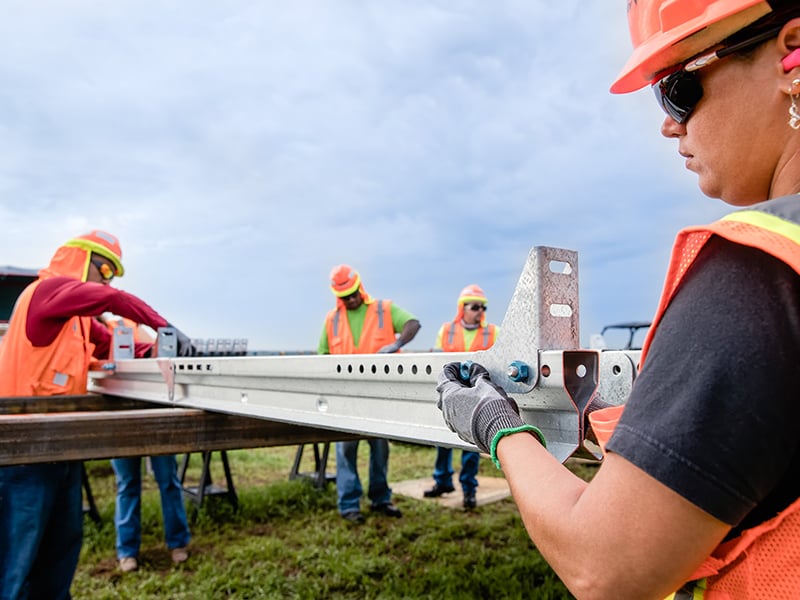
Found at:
[91, 427]
[536, 359]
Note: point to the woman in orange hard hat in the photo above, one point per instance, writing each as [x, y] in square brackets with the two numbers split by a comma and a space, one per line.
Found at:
[698, 494]
[469, 331]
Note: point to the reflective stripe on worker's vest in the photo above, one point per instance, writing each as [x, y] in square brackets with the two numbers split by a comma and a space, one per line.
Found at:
[380, 314]
[767, 221]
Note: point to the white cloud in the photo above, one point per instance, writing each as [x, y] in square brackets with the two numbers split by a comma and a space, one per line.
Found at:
[240, 150]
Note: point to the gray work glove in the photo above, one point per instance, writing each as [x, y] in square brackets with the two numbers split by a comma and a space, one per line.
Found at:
[477, 409]
[390, 348]
[185, 346]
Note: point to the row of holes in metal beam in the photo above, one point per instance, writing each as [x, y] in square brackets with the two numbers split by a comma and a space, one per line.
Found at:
[386, 369]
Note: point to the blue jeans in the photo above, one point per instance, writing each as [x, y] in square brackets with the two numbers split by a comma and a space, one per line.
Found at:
[41, 530]
[443, 469]
[348, 484]
[128, 513]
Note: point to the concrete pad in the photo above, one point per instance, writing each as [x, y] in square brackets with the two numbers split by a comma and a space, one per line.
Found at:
[490, 489]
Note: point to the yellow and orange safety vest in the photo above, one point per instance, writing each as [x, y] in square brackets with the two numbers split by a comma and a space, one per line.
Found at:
[453, 337]
[764, 561]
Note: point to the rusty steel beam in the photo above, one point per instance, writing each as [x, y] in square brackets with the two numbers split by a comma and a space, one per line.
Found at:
[88, 430]
[80, 403]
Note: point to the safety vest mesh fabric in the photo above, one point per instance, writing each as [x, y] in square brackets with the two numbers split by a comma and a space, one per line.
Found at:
[453, 338]
[764, 561]
[376, 332]
[60, 368]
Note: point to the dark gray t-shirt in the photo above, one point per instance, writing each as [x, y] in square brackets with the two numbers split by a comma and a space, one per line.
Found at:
[713, 413]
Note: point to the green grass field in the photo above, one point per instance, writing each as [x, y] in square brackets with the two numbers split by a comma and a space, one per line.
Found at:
[287, 541]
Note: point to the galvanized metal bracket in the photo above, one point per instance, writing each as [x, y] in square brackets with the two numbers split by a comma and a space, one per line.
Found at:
[122, 346]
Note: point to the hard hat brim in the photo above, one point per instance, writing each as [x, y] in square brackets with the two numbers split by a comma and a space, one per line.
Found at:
[685, 40]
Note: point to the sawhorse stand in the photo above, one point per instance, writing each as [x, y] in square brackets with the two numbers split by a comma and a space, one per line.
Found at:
[206, 486]
[320, 477]
[90, 508]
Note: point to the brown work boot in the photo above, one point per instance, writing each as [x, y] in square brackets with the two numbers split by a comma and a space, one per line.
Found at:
[128, 564]
[180, 555]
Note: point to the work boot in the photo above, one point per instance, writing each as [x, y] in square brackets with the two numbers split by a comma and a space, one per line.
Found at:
[179, 555]
[354, 516]
[128, 564]
[438, 489]
[469, 500]
[388, 509]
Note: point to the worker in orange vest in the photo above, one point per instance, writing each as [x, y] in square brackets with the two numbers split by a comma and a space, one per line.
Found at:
[469, 331]
[361, 324]
[53, 335]
[698, 495]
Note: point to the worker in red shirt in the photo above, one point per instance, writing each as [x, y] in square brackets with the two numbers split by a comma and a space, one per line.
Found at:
[53, 334]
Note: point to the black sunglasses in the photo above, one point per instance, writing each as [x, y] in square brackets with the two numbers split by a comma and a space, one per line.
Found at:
[476, 307]
[105, 270]
[679, 92]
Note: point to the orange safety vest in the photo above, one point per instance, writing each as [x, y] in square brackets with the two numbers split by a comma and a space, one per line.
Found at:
[58, 369]
[453, 337]
[763, 561]
[376, 333]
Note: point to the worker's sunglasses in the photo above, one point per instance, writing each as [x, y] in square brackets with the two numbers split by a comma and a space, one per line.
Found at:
[105, 270]
[679, 92]
[476, 307]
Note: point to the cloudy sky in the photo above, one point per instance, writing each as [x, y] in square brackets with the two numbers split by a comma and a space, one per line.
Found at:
[240, 149]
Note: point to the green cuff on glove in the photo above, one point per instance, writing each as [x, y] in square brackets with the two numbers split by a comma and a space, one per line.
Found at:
[504, 432]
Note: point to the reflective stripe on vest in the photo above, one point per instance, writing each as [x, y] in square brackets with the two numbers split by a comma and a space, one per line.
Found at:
[763, 561]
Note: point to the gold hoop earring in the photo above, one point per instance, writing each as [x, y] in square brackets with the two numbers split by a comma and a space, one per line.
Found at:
[794, 109]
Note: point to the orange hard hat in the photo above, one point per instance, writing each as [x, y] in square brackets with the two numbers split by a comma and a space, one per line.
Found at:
[472, 293]
[102, 243]
[667, 32]
[344, 280]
